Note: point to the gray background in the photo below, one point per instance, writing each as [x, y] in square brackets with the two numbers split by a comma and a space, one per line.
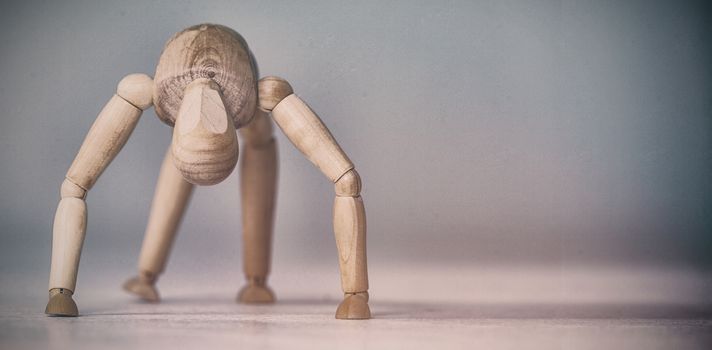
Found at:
[487, 133]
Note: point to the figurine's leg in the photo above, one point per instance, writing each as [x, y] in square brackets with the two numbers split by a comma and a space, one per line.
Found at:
[69, 229]
[105, 139]
[350, 232]
[309, 134]
[169, 203]
[258, 184]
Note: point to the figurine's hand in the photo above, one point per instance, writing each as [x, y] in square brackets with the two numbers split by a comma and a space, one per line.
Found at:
[255, 292]
[143, 287]
[61, 303]
[354, 307]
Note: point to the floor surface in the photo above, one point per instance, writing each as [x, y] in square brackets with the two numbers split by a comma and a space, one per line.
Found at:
[210, 319]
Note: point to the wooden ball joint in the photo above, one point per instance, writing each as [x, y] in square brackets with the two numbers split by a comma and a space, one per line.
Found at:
[205, 87]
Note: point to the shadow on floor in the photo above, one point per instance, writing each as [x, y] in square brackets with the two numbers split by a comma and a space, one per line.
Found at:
[397, 310]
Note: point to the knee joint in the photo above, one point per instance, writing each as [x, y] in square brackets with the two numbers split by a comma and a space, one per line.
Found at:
[70, 189]
[348, 185]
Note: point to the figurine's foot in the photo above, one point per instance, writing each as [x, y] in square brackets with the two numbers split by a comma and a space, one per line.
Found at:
[144, 287]
[61, 303]
[354, 307]
[255, 292]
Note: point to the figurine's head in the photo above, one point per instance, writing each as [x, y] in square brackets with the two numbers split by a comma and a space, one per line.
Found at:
[205, 86]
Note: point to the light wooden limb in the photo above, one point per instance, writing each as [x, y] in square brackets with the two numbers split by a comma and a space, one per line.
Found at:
[69, 229]
[350, 231]
[258, 184]
[70, 223]
[105, 139]
[110, 131]
[169, 203]
[309, 134]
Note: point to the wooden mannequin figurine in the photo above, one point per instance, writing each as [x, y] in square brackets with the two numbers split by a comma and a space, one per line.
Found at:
[205, 86]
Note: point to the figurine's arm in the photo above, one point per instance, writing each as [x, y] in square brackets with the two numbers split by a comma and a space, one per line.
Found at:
[309, 134]
[105, 139]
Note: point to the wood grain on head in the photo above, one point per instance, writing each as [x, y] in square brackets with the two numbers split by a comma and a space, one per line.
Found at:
[212, 52]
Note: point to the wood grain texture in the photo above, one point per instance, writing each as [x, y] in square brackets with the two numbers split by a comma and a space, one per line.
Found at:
[137, 90]
[105, 139]
[350, 233]
[309, 134]
[169, 203]
[205, 87]
[68, 233]
[103, 142]
[258, 190]
[61, 303]
[258, 187]
[348, 185]
[212, 52]
[204, 144]
[354, 307]
[70, 189]
[272, 90]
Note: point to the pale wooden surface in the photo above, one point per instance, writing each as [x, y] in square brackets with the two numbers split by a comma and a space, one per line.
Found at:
[348, 185]
[205, 87]
[309, 134]
[68, 233]
[258, 189]
[311, 137]
[350, 233]
[136, 89]
[272, 90]
[212, 52]
[169, 203]
[105, 139]
[103, 142]
[70, 189]
[204, 144]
